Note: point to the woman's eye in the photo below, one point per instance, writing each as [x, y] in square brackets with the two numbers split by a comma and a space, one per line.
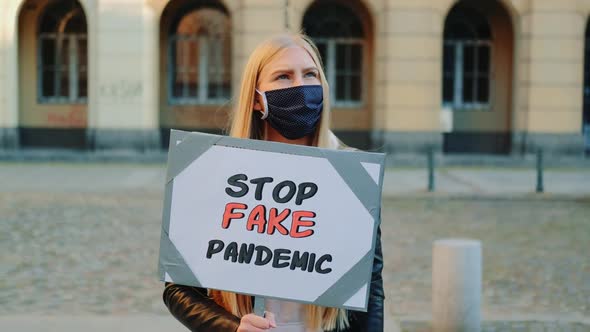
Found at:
[311, 74]
[283, 77]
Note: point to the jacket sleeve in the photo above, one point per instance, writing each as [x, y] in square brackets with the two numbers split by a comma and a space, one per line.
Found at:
[197, 311]
[372, 320]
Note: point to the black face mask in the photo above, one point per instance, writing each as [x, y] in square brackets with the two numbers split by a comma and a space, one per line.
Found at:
[294, 112]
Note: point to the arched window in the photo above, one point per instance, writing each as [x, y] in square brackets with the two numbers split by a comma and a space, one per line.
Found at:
[466, 59]
[199, 53]
[339, 35]
[62, 54]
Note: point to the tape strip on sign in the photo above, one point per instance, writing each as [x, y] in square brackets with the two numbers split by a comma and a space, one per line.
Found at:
[175, 267]
[184, 153]
[359, 181]
[350, 283]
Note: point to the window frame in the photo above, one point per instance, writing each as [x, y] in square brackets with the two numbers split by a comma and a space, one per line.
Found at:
[204, 70]
[73, 69]
[458, 102]
[331, 72]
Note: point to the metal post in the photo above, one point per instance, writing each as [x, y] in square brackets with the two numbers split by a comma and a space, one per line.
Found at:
[540, 186]
[431, 170]
[259, 304]
[456, 285]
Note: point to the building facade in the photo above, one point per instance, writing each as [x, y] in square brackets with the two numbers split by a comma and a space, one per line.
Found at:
[467, 76]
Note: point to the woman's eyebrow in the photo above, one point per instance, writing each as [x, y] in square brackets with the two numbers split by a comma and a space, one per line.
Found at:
[290, 70]
[281, 70]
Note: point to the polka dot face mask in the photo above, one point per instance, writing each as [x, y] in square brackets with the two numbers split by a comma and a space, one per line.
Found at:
[294, 112]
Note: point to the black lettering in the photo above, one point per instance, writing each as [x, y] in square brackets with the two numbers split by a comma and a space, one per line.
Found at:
[302, 194]
[290, 193]
[299, 261]
[311, 263]
[260, 250]
[318, 264]
[215, 246]
[234, 180]
[279, 255]
[246, 252]
[231, 251]
[259, 182]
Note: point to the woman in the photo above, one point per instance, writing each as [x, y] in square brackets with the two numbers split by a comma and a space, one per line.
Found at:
[283, 98]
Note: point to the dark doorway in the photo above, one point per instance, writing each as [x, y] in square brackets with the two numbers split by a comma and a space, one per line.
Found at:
[477, 77]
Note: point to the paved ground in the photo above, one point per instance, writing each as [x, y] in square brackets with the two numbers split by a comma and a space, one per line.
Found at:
[79, 243]
[476, 181]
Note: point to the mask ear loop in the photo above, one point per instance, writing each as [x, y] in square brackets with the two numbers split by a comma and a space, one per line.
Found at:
[264, 106]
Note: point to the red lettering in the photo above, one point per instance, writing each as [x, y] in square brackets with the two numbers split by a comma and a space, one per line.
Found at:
[229, 213]
[298, 222]
[257, 218]
[274, 221]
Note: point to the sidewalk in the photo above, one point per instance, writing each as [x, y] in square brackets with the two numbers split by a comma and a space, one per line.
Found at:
[449, 181]
[488, 182]
[89, 202]
[143, 323]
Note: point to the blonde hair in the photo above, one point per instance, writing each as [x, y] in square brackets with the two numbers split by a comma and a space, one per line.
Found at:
[245, 124]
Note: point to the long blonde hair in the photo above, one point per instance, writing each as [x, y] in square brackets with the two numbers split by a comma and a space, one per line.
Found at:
[245, 124]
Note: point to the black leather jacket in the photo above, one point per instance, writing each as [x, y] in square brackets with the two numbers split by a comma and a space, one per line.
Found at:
[199, 313]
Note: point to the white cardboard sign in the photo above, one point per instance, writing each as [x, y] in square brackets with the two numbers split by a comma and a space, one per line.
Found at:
[271, 219]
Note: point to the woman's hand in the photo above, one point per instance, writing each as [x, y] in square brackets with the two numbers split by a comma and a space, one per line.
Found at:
[254, 323]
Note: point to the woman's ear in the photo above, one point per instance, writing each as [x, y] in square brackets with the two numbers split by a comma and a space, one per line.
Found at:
[257, 106]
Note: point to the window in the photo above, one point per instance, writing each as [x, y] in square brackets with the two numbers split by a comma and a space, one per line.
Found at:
[467, 53]
[339, 35]
[62, 54]
[200, 59]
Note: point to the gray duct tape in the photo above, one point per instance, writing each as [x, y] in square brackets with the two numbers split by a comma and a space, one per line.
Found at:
[165, 223]
[359, 181]
[174, 264]
[349, 283]
[191, 147]
[167, 206]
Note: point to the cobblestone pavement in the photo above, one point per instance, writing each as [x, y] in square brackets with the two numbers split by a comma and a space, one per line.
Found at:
[83, 240]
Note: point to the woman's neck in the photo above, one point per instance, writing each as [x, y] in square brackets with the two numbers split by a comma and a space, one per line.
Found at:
[274, 136]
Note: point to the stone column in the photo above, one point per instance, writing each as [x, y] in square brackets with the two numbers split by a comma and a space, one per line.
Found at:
[411, 79]
[8, 74]
[550, 68]
[456, 285]
[124, 114]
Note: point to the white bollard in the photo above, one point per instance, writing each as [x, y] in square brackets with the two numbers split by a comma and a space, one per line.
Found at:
[456, 285]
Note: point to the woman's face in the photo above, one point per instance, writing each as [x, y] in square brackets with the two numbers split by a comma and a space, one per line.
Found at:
[290, 67]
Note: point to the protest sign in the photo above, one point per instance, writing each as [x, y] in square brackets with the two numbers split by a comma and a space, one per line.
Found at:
[270, 219]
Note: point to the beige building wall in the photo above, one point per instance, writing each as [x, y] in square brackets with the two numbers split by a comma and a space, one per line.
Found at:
[8, 75]
[124, 111]
[551, 75]
[540, 97]
[410, 58]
